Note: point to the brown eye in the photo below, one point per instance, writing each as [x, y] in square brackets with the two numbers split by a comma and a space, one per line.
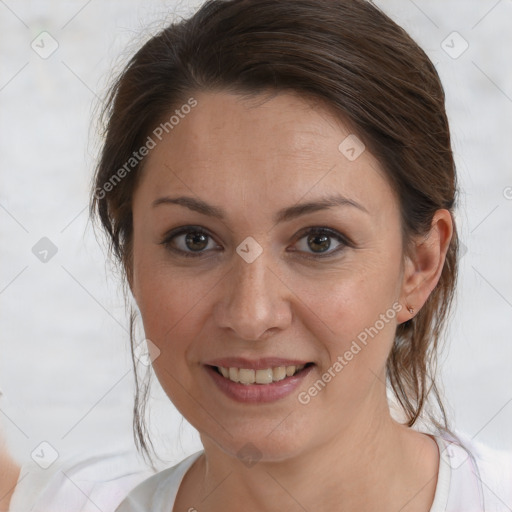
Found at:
[189, 241]
[317, 242]
[196, 241]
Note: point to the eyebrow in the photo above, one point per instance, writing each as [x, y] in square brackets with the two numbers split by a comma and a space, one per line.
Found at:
[283, 215]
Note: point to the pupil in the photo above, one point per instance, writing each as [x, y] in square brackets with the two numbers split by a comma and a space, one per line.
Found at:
[196, 238]
[321, 241]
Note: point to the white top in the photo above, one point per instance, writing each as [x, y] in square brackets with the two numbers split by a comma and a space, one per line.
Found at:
[478, 480]
[78, 483]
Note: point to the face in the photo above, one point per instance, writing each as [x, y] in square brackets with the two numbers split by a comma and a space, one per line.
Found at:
[241, 275]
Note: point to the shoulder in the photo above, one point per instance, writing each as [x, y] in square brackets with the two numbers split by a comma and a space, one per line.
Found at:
[80, 483]
[479, 476]
[158, 492]
[494, 471]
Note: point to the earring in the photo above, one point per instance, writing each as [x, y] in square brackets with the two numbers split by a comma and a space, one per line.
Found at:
[411, 310]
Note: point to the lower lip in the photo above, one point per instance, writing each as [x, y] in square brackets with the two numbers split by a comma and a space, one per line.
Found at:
[257, 393]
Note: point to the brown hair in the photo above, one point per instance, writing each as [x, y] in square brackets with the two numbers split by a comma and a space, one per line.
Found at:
[365, 68]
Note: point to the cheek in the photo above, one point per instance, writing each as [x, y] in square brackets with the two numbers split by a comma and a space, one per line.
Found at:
[354, 318]
[346, 301]
[351, 313]
[168, 302]
[174, 303]
[167, 299]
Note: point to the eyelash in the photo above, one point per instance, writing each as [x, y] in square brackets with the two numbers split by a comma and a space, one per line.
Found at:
[344, 242]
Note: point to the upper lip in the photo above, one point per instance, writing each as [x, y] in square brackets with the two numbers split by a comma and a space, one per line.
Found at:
[255, 364]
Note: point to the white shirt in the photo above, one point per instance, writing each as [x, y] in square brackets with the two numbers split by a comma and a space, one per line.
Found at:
[476, 481]
[78, 484]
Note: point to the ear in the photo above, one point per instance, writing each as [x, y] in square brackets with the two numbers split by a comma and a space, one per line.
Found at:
[422, 269]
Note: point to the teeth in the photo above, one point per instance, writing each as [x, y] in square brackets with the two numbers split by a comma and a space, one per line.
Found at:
[264, 376]
[245, 376]
[290, 370]
[279, 373]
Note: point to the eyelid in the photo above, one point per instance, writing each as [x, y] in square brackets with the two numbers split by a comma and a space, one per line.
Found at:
[323, 229]
[183, 230]
[343, 240]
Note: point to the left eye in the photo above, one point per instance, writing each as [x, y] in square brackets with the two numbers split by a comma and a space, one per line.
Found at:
[318, 241]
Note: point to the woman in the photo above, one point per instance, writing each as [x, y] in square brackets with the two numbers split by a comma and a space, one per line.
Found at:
[278, 184]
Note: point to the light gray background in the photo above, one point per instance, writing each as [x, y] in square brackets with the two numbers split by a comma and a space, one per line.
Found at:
[64, 362]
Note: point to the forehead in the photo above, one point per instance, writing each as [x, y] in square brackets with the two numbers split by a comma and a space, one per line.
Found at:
[285, 146]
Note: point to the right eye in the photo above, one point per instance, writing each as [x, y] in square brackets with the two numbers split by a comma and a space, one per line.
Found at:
[188, 241]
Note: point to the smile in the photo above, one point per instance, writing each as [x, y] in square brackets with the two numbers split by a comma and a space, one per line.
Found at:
[271, 380]
[264, 376]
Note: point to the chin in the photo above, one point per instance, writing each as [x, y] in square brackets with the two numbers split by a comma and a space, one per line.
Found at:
[261, 445]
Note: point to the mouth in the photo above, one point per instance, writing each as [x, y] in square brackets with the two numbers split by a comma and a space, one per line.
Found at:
[265, 381]
[248, 376]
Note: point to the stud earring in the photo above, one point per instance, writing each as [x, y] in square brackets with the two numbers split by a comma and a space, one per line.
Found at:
[411, 310]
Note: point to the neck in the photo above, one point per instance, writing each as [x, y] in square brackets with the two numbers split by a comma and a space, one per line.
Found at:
[374, 464]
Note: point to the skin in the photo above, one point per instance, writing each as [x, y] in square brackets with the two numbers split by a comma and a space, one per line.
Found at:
[9, 474]
[252, 158]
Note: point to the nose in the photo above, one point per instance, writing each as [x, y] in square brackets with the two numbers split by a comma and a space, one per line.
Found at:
[255, 302]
